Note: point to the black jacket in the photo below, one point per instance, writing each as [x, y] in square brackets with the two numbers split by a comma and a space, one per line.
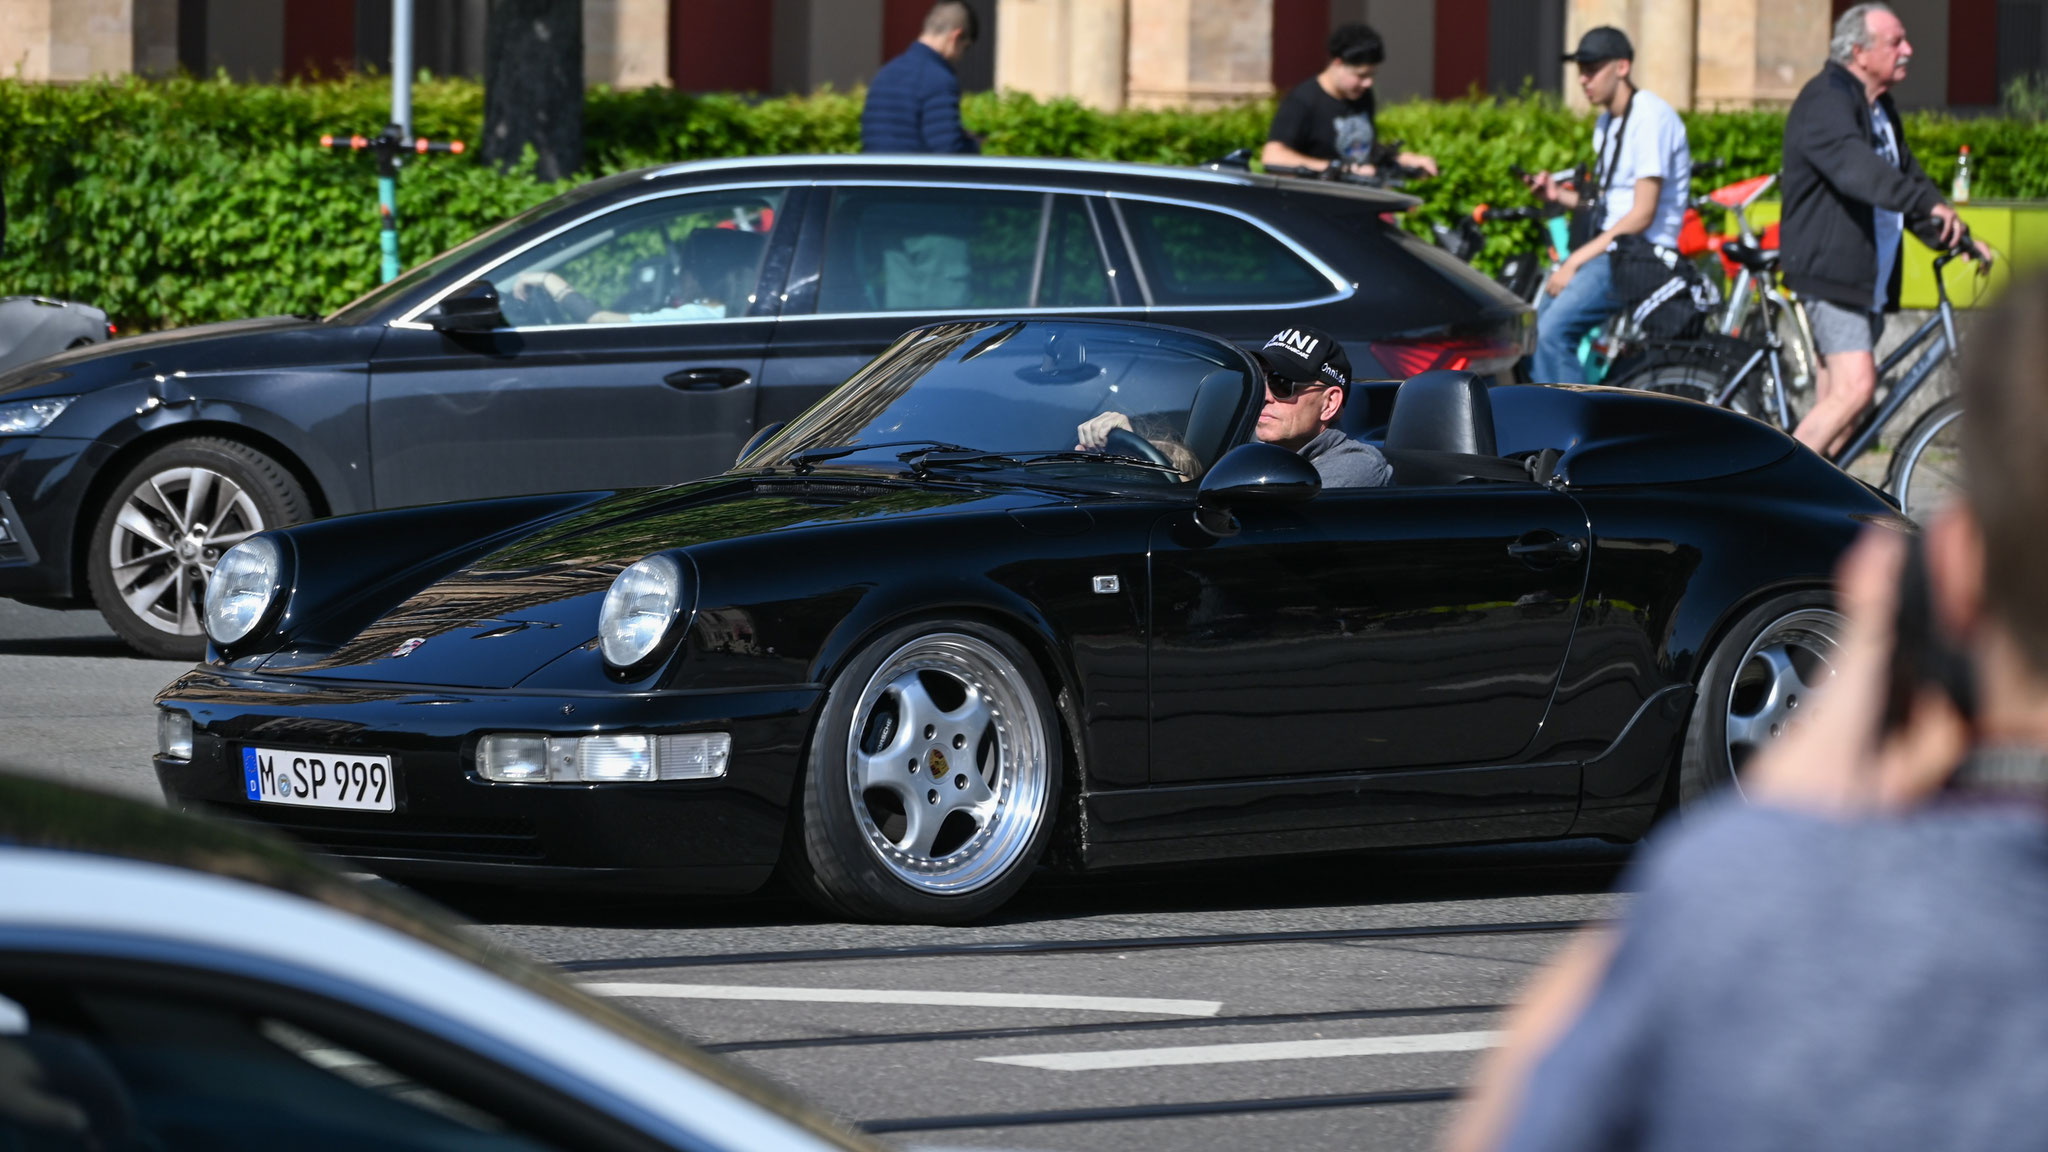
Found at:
[1831, 178]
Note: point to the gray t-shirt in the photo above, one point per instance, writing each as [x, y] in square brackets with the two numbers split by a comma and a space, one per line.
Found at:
[1790, 982]
[1346, 463]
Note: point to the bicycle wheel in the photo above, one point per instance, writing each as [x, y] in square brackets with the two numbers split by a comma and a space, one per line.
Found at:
[1927, 466]
[1701, 382]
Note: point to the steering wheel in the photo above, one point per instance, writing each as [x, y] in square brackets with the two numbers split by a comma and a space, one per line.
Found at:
[535, 310]
[1125, 442]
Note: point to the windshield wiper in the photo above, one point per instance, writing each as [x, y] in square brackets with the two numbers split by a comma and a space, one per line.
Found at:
[1098, 457]
[804, 461]
[941, 457]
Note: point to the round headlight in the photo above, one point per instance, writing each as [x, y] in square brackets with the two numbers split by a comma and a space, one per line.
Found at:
[244, 584]
[642, 603]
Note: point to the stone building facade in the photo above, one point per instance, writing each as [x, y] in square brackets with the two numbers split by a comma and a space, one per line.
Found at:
[1106, 53]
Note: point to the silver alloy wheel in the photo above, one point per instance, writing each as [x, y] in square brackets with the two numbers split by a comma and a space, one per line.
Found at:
[171, 530]
[947, 764]
[1784, 666]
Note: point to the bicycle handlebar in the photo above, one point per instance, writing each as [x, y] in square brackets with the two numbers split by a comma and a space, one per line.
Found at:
[1488, 214]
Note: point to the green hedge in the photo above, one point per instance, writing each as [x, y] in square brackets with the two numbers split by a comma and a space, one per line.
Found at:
[184, 201]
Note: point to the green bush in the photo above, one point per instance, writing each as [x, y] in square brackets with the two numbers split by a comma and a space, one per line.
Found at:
[185, 201]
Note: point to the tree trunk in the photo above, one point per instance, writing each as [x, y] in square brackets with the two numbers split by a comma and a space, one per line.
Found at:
[533, 84]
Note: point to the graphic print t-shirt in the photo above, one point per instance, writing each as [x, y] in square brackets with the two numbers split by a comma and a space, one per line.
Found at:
[1315, 123]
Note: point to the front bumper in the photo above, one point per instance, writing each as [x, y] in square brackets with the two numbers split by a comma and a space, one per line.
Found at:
[706, 836]
[43, 480]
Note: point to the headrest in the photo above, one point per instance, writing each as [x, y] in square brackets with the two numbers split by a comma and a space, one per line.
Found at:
[1442, 411]
[723, 247]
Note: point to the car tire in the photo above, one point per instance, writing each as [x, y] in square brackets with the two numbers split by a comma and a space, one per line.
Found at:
[1756, 680]
[153, 545]
[933, 780]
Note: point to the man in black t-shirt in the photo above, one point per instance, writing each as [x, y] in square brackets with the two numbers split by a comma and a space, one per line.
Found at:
[1328, 118]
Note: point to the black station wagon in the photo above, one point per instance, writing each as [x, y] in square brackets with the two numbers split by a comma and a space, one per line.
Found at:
[640, 329]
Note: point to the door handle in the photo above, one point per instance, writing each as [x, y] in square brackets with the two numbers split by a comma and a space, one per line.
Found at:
[1542, 549]
[707, 379]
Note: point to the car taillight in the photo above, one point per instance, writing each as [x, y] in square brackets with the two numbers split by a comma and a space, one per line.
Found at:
[1407, 358]
[111, 330]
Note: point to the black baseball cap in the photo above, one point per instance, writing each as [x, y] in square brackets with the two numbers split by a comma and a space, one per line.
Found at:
[1602, 44]
[1306, 356]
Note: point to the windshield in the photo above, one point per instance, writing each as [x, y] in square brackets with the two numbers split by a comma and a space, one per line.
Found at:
[1076, 397]
[362, 308]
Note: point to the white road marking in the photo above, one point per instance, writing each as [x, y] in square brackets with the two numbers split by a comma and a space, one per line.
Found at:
[911, 996]
[1246, 1053]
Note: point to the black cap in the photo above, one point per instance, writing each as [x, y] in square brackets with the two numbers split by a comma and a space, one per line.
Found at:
[1307, 356]
[1602, 44]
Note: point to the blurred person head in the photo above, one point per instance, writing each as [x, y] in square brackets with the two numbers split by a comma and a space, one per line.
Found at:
[950, 29]
[1307, 377]
[1356, 52]
[1606, 61]
[1987, 558]
[1870, 41]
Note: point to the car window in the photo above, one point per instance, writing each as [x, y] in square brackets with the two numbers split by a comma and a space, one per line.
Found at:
[119, 1067]
[1197, 256]
[929, 249]
[677, 258]
[1074, 276]
[363, 307]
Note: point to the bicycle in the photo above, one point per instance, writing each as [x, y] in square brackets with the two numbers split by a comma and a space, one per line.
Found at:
[1923, 467]
[1755, 300]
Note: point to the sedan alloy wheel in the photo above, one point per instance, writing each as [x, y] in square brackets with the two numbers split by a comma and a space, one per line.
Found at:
[165, 528]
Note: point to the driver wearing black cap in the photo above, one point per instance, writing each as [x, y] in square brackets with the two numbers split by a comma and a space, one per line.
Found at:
[1308, 378]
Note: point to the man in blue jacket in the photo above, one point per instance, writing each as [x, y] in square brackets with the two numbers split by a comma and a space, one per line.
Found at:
[913, 104]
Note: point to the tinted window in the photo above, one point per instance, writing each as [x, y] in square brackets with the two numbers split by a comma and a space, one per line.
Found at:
[119, 1068]
[1195, 256]
[690, 257]
[1074, 276]
[929, 249]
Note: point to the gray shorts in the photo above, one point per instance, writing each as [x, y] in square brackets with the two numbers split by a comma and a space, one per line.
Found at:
[1838, 329]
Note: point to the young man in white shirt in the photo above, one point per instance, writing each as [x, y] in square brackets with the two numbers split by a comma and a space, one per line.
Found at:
[1642, 175]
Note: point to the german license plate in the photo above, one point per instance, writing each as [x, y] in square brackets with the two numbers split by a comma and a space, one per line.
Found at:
[319, 779]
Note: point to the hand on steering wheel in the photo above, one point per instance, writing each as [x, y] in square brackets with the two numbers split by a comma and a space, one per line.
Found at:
[1124, 442]
[530, 289]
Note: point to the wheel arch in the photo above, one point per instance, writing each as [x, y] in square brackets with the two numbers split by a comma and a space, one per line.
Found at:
[126, 457]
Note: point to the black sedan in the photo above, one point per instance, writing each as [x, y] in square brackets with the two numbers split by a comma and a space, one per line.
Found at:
[917, 641]
[639, 329]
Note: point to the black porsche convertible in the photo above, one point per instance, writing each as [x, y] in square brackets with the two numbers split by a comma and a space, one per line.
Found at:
[917, 641]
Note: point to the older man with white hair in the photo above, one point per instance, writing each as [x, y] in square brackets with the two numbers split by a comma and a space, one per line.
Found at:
[1851, 190]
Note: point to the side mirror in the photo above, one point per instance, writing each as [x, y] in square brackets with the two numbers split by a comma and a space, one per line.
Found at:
[1255, 473]
[757, 439]
[470, 308]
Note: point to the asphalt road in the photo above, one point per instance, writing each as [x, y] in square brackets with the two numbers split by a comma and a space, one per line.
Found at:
[1329, 1002]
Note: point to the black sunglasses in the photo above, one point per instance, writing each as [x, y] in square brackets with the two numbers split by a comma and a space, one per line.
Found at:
[1284, 389]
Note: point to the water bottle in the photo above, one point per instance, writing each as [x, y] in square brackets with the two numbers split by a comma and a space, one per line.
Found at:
[1959, 189]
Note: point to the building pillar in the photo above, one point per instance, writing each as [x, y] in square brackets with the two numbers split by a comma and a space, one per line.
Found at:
[1063, 48]
[66, 39]
[1188, 54]
[1758, 53]
[625, 42]
[1663, 33]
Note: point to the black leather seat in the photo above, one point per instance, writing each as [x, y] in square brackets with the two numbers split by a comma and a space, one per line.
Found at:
[1441, 431]
[1758, 260]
